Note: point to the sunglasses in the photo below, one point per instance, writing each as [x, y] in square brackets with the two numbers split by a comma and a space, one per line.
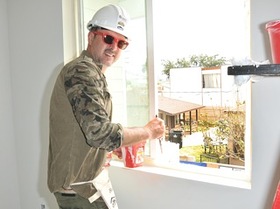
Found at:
[108, 39]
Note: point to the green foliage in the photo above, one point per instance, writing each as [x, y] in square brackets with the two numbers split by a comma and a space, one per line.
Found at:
[230, 127]
[179, 63]
[205, 124]
[235, 133]
[206, 61]
[202, 60]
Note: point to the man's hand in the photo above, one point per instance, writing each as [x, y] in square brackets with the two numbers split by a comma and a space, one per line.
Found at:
[155, 128]
[118, 153]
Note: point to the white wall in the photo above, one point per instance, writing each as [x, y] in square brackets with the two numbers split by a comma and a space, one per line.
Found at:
[35, 53]
[262, 12]
[9, 190]
[190, 88]
[31, 52]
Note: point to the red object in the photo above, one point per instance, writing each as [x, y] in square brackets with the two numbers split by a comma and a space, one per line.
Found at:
[276, 202]
[133, 155]
[273, 29]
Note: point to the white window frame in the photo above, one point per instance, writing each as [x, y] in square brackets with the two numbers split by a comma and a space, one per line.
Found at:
[217, 176]
[152, 165]
[226, 177]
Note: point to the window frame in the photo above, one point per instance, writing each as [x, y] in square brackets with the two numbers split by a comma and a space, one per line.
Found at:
[244, 178]
[206, 174]
[152, 165]
[211, 72]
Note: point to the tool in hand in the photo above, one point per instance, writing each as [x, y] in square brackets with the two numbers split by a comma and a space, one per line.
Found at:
[160, 144]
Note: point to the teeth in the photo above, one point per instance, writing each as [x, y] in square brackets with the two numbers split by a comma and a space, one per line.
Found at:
[109, 54]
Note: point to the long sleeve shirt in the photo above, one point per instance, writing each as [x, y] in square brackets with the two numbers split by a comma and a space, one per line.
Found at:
[81, 132]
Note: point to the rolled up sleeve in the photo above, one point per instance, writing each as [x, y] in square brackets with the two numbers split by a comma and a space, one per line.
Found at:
[88, 94]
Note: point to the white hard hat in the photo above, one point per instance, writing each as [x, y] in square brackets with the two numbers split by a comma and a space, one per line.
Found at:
[111, 17]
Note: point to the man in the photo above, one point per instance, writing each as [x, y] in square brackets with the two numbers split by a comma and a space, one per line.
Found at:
[81, 132]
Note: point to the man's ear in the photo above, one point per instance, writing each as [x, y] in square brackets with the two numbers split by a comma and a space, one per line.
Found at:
[90, 37]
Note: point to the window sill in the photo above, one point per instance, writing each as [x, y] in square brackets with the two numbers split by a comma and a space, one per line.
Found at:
[223, 177]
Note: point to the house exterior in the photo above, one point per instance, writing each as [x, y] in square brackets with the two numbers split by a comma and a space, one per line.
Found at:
[174, 112]
[212, 88]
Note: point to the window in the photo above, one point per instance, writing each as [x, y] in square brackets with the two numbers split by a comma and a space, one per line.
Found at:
[194, 30]
[211, 80]
[183, 32]
[128, 78]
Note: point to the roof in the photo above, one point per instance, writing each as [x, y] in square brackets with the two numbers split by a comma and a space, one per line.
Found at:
[174, 106]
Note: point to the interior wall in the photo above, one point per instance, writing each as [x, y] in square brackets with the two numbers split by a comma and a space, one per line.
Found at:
[36, 54]
[262, 12]
[9, 190]
[31, 54]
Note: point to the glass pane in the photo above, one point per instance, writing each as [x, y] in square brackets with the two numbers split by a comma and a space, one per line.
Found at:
[197, 105]
[211, 80]
[127, 79]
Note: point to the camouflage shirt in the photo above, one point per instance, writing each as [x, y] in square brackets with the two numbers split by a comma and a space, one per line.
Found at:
[81, 132]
